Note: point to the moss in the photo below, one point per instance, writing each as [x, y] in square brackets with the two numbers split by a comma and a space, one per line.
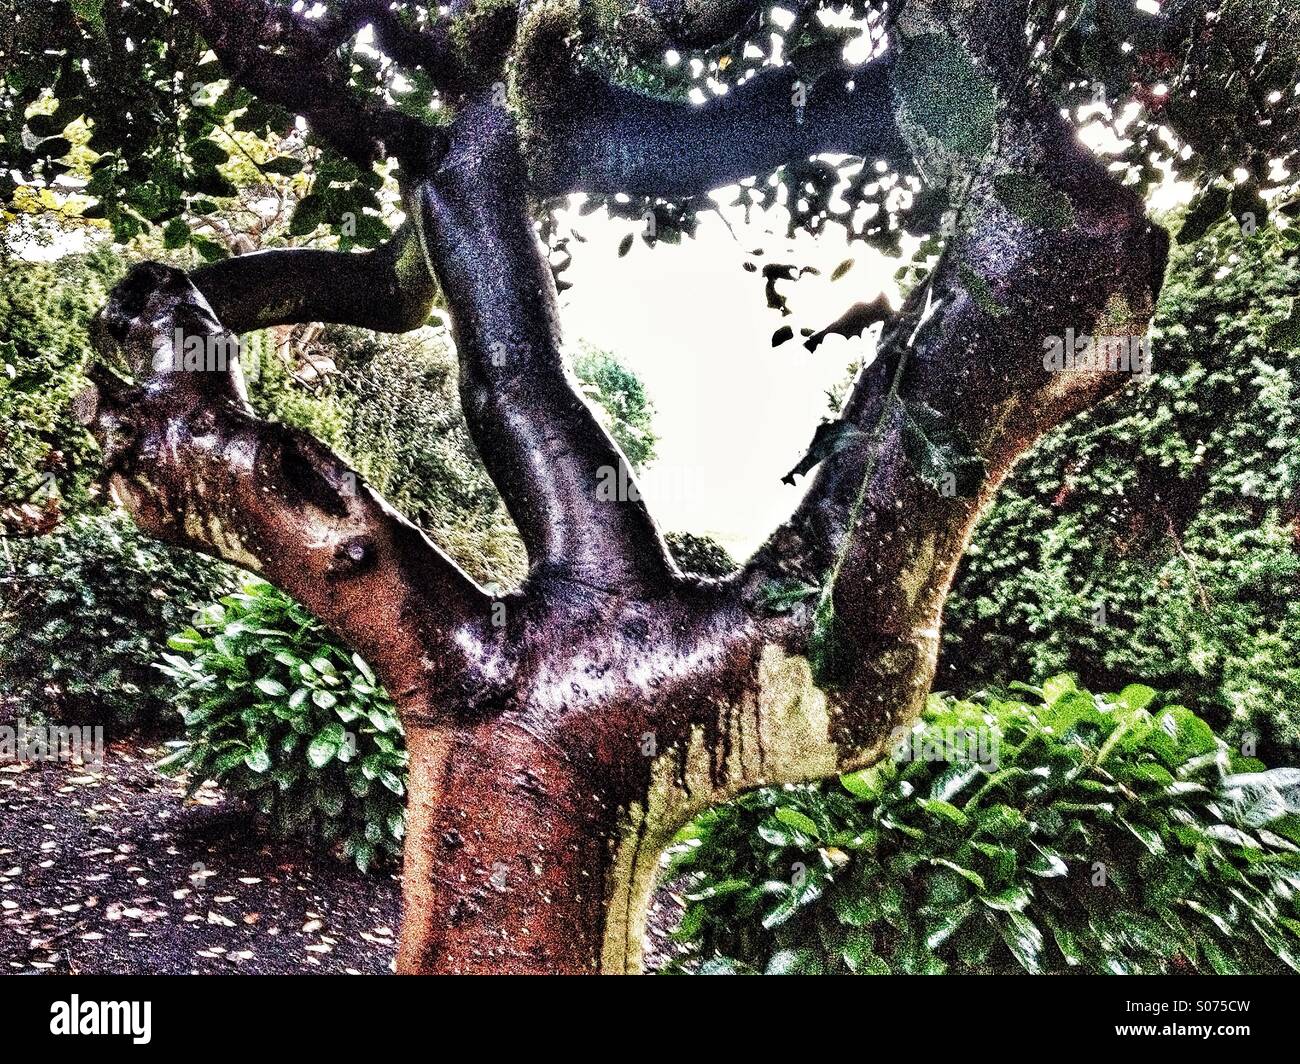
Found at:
[781, 733]
[543, 71]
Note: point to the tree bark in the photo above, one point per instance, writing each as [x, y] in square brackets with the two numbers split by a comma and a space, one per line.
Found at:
[506, 865]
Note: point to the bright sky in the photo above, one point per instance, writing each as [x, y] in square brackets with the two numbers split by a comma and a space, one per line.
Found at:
[732, 413]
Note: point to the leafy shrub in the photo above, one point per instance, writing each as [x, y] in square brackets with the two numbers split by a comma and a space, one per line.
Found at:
[45, 313]
[83, 612]
[276, 710]
[620, 397]
[1158, 535]
[1066, 833]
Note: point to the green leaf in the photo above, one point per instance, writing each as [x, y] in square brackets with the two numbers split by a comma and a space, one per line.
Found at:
[91, 11]
[307, 215]
[1014, 899]
[269, 686]
[948, 922]
[943, 811]
[866, 784]
[940, 452]
[360, 663]
[1046, 863]
[284, 165]
[1137, 696]
[258, 759]
[794, 819]
[966, 873]
[325, 745]
[1025, 941]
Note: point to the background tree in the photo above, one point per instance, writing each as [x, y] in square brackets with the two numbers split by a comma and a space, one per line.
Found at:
[559, 734]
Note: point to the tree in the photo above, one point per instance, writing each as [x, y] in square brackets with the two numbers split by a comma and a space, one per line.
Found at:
[561, 733]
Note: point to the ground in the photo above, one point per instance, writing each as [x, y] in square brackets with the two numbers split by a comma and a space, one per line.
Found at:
[111, 870]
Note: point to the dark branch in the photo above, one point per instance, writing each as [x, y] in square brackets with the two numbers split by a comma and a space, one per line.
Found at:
[286, 59]
[389, 289]
[565, 482]
[613, 139]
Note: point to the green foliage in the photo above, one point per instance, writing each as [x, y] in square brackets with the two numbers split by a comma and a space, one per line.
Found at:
[700, 555]
[627, 412]
[393, 411]
[406, 433]
[275, 395]
[1058, 831]
[1157, 535]
[83, 612]
[45, 314]
[276, 710]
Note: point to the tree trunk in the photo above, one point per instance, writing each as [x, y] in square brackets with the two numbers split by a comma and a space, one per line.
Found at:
[506, 861]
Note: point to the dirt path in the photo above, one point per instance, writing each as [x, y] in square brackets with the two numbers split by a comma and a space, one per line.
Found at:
[111, 870]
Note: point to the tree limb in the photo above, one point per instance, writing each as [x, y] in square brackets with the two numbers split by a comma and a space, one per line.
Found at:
[566, 484]
[614, 139]
[286, 59]
[194, 467]
[389, 289]
[969, 346]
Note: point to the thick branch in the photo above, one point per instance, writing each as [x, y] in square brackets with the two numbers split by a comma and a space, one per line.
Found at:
[1006, 291]
[389, 289]
[284, 58]
[617, 140]
[565, 482]
[196, 468]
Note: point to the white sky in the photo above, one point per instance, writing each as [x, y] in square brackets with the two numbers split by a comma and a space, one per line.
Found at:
[732, 413]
